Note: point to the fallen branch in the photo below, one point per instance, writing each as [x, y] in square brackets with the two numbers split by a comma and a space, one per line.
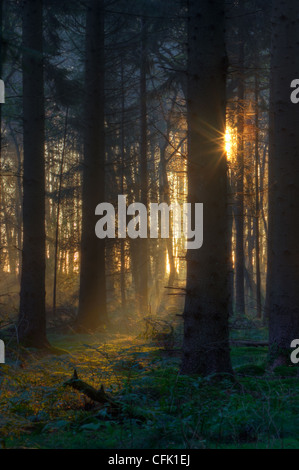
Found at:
[99, 396]
[116, 409]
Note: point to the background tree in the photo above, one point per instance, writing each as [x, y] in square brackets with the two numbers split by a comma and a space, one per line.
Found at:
[239, 207]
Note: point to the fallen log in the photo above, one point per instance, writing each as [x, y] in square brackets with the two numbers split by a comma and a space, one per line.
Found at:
[116, 409]
[99, 396]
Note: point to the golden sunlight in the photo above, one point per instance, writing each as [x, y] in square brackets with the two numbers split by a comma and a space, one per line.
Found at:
[167, 263]
[228, 142]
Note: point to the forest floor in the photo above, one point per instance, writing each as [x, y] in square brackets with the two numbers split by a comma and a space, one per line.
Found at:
[159, 407]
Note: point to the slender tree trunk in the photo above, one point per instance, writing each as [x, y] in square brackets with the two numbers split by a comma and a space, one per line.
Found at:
[239, 209]
[58, 215]
[122, 163]
[265, 181]
[231, 275]
[92, 297]
[1, 185]
[165, 197]
[283, 183]
[143, 255]
[18, 201]
[10, 244]
[268, 236]
[249, 243]
[32, 317]
[205, 345]
[257, 203]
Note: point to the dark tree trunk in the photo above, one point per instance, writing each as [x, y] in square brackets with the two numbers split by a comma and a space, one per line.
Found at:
[92, 297]
[239, 209]
[122, 163]
[32, 317]
[283, 182]
[143, 254]
[206, 346]
[1, 69]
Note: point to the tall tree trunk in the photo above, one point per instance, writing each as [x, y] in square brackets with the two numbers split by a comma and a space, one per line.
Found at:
[283, 182]
[18, 199]
[143, 255]
[257, 202]
[58, 215]
[92, 297]
[32, 316]
[122, 163]
[239, 209]
[205, 346]
[231, 274]
[165, 197]
[1, 185]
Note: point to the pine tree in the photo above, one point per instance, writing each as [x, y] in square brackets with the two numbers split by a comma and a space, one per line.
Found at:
[205, 347]
[283, 250]
[92, 299]
[32, 316]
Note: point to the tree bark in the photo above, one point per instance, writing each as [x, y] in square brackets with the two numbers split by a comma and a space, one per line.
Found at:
[58, 215]
[122, 176]
[257, 203]
[143, 243]
[239, 209]
[92, 298]
[283, 182]
[1, 186]
[32, 316]
[206, 345]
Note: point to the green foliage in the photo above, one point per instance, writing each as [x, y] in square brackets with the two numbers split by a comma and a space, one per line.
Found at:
[160, 407]
[286, 371]
[250, 369]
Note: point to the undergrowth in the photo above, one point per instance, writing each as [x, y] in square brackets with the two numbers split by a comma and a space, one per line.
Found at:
[257, 410]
